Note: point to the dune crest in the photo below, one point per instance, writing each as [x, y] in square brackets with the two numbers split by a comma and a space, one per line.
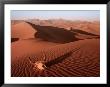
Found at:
[42, 49]
[22, 30]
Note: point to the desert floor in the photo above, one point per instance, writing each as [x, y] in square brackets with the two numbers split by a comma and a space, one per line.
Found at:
[55, 48]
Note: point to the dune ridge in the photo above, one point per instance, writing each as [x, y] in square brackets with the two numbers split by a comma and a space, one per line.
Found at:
[22, 31]
[59, 51]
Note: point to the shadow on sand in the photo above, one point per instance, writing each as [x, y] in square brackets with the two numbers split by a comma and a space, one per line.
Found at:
[14, 39]
[54, 34]
[58, 35]
[58, 60]
[83, 32]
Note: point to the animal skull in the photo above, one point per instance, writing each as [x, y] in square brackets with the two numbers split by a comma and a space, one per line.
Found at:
[39, 65]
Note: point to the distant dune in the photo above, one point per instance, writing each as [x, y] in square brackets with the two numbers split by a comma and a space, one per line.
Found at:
[93, 27]
[25, 30]
[55, 48]
[13, 22]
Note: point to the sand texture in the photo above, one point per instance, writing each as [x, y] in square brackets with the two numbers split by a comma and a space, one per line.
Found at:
[55, 49]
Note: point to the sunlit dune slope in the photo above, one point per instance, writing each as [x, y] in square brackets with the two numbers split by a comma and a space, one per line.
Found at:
[22, 47]
[22, 30]
[79, 58]
[13, 22]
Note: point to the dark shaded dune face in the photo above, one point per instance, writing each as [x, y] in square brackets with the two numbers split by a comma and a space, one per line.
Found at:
[54, 34]
[14, 39]
[83, 32]
[74, 59]
[93, 27]
[61, 35]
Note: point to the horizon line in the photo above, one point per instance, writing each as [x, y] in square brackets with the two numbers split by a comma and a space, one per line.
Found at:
[57, 19]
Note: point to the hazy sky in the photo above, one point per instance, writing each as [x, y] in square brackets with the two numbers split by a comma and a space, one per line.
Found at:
[69, 15]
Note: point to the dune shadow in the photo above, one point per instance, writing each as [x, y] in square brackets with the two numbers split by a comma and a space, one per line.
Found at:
[14, 39]
[54, 34]
[83, 32]
[58, 60]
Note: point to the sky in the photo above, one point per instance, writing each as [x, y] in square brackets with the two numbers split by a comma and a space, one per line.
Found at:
[69, 15]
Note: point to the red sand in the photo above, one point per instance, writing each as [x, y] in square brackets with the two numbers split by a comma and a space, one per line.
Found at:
[77, 58]
[92, 27]
[22, 31]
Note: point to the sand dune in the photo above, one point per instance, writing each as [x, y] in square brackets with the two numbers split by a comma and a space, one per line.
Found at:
[83, 34]
[26, 30]
[93, 27]
[81, 62]
[54, 34]
[52, 51]
[29, 46]
[60, 35]
[13, 22]
[22, 30]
